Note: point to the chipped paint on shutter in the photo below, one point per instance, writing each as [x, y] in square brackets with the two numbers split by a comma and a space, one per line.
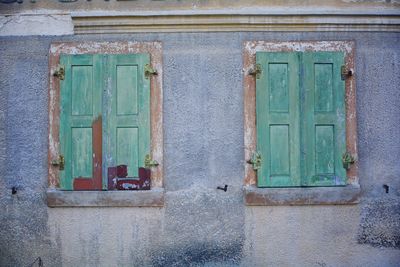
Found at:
[277, 112]
[324, 139]
[127, 107]
[80, 122]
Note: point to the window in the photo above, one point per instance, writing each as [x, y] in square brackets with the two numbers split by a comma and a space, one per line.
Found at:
[299, 123]
[99, 87]
[300, 117]
[105, 102]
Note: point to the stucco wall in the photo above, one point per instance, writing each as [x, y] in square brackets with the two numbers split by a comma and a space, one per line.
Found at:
[203, 149]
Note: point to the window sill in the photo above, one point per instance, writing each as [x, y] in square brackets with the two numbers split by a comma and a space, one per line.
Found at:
[255, 196]
[148, 198]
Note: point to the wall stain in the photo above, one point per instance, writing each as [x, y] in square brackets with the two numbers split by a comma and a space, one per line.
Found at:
[380, 223]
[198, 254]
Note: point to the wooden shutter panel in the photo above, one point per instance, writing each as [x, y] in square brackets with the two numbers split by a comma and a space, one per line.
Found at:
[277, 113]
[324, 119]
[127, 112]
[80, 122]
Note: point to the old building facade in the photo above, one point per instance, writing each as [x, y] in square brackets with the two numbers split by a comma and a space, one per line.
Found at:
[268, 131]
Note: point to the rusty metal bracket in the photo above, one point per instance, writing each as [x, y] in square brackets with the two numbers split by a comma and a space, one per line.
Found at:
[148, 71]
[59, 72]
[149, 162]
[256, 71]
[345, 72]
[347, 159]
[60, 162]
[255, 161]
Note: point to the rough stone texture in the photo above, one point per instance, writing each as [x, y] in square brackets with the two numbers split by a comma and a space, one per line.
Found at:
[203, 148]
[380, 223]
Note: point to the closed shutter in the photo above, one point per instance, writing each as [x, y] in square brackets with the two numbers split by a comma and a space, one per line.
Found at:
[80, 122]
[324, 119]
[300, 118]
[128, 112]
[277, 108]
[104, 117]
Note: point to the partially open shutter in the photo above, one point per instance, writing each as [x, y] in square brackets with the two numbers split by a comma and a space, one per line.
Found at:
[323, 126]
[127, 112]
[80, 122]
[277, 112]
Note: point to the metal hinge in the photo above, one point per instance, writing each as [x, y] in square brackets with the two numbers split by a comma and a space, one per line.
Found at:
[347, 159]
[148, 162]
[148, 70]
[59, 72]
[60, 162]
[255, 161]
[345, 72]
[256, 71]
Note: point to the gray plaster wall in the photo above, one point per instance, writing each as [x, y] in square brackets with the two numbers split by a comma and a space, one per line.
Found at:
[203, 148]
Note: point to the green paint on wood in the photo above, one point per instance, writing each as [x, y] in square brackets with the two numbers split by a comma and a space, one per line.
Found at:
[120, 81]
[81, 158]
[324, 127]
[127, 112]
[127, 96]
[82, 90]
[324, 150]
[128, 149]
[81, 94]
[300, 113]
[277, 111]
[278, 84]
[323, 81]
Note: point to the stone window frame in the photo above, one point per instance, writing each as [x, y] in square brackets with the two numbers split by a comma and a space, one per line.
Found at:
[145, 198]
[254, 196]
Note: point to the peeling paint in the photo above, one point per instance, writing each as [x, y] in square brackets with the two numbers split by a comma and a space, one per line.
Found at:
[156, 95]
[250, 49]
[36, 24]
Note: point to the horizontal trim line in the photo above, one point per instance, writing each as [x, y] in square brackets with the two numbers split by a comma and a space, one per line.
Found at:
[211, 23]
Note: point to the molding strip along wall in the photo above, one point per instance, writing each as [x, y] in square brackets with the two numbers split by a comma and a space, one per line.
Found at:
[94, 24]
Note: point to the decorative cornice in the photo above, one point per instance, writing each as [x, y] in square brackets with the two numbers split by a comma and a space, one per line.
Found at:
[224, 21]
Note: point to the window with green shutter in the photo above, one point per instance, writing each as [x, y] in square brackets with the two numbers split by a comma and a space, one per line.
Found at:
[300, 119]
[104, 117]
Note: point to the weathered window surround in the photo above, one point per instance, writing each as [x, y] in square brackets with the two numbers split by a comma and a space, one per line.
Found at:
[299, 195]
[153, 197]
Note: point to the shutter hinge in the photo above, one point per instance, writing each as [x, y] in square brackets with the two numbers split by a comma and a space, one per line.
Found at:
[347, 159]
[256, 71]
[345, 72]
[59, 72]
[148, 162]
[148, 70]
[60, 162]
[255, 161]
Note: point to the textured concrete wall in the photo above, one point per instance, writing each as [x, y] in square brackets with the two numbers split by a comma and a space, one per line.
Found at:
[203, 148]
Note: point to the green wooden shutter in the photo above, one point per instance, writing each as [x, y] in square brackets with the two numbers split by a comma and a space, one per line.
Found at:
[127, 136]
[80, 120]
[323, 125]
[277, 113]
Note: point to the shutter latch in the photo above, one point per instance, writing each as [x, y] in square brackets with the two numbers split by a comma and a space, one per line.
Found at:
[148, 70]
[256, 71]
[60, 162]
[59, 72]
[345, 72]
[148, 162]
[347, 159]
[255, 161]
